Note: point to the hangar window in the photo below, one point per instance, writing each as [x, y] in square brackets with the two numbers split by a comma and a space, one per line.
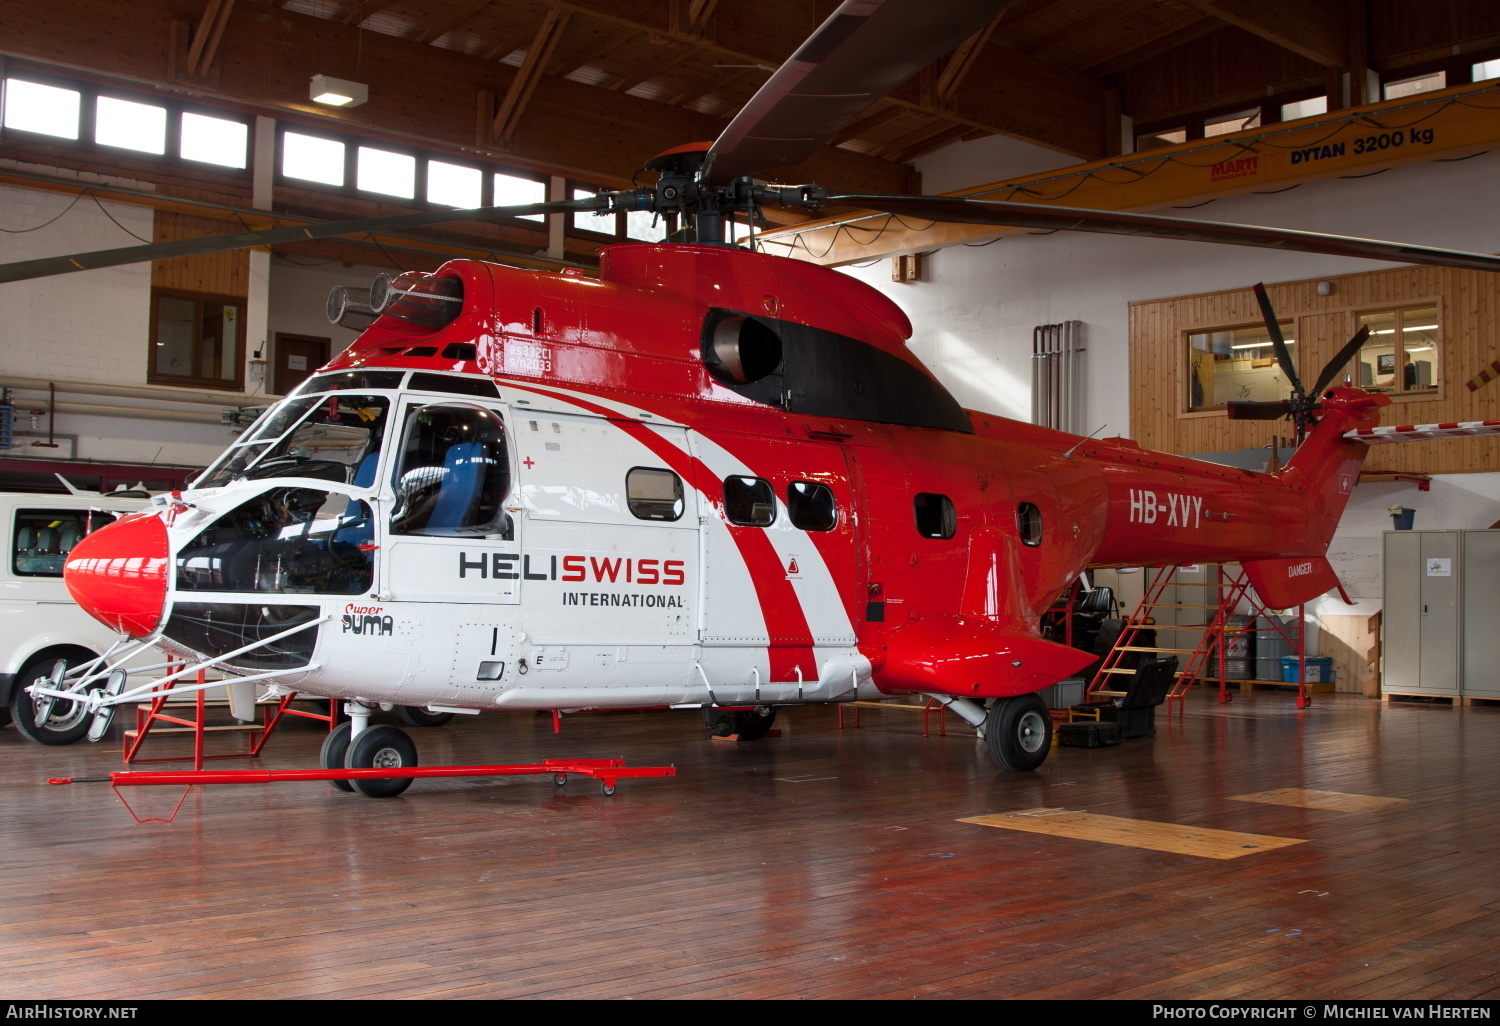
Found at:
[513, 190]
[44, 537]
[392, 174]
[214, 140]
[453, 185]
[196, 340]
[811, 506]
[1401, 356]
[129, 125]
[935, 515]
[653, 494]
[1236, 365]
[749, 501]
[44, 109]
[311, 159]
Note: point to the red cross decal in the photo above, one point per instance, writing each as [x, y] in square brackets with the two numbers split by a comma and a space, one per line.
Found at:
[528, 462]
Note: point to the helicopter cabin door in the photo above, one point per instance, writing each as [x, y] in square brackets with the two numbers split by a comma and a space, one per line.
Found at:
[450, 537]
[783, 573]
[609, 564]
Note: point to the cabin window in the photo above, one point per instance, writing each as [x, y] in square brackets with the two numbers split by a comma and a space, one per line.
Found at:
[1029, 524]
[1401, 356]
[654, 494]
[284, 541]
[44, 537]
[811, 506]
[935, 515]
[1236, 364]
[453, 473]
[749, 501]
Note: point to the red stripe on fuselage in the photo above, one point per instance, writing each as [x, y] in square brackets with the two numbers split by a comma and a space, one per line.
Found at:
[779, 604]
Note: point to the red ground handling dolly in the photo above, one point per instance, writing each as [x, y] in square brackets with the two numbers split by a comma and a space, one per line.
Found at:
[606, 771]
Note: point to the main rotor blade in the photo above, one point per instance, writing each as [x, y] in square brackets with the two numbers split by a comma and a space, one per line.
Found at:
[22, 270]
[1278, 340]
[1332, 367]
[864, 50]
[1111, 222]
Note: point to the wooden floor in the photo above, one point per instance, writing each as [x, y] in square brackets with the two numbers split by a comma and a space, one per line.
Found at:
[814, 864]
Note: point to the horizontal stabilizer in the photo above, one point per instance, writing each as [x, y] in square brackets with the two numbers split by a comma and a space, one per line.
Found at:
[1423, 432]
[974, 657]
[1282, 583]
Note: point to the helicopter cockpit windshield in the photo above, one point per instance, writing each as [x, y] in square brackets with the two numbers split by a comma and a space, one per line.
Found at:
[332, 437]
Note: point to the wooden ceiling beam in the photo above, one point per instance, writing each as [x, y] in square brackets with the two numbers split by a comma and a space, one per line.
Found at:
[606, 45]
[457, 18]
[961, 61]
[513, 106]
[1133, 50]
[1068, 33]
[868, 123]
[364, 9]
[708, 85]
[205, 30]
[629, 82]
[1313, 30]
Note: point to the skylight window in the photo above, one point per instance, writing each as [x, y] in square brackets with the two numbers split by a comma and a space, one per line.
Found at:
[312, 159]
[214, 140]
[1417, 84]
[511, 190]
[392, 174]
[130, 126]
[1486, 70]
[451, 185]
[44, 109]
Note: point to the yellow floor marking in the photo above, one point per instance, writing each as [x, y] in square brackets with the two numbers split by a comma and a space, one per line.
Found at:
[1135, 833]
[1331, 801]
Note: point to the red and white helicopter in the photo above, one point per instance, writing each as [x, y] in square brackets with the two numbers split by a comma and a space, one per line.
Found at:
[710, 477]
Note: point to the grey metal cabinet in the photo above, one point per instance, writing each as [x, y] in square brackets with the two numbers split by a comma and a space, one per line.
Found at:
[1442, 595]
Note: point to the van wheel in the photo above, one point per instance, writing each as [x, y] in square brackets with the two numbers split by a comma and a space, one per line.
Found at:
[67, 721]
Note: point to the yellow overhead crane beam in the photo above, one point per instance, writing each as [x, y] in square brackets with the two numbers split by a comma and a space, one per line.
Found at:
[1442, 125]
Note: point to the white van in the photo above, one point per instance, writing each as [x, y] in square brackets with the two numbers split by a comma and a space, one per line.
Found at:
[39, 622]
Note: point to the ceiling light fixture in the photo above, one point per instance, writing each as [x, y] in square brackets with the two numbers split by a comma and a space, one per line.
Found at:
[338, 92]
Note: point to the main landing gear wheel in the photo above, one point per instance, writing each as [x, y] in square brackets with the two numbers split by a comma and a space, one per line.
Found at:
[416, 716]
[750, 726]
[381, 747]
[49, 721]
[1018, 732]
[335, 747]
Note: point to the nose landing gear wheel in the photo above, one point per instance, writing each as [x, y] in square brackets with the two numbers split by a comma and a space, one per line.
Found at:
[1018, 732]
[381, 747]
[335, 747]
[48, 721]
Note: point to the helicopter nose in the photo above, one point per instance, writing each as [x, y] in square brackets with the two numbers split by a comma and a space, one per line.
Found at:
[118, 574]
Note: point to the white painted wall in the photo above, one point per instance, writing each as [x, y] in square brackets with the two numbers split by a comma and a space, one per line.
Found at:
[974, 314]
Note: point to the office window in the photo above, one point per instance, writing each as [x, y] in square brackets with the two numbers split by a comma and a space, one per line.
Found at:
[1236, 365]
[312, 159]
[196, 340]
[44, 109]
[452, 185]
[511, 190]
[129, 125]
[1401, 356]
[214, 140]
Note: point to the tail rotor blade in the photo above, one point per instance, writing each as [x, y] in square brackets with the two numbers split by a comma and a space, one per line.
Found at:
[1278, 342]
[1332, 367]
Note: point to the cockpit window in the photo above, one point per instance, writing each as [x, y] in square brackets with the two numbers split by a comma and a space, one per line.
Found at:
[453, 473]
[333, 438]
[284, 541]
[349, 381]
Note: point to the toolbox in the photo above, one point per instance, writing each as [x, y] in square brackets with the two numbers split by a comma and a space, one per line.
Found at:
[1088, 734]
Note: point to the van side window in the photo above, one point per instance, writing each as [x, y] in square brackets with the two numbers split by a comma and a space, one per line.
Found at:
[749, 501]
[1029, 524]
[44, 537]
[654, 494]
[452, 474]
[811, 506]
[935, 515]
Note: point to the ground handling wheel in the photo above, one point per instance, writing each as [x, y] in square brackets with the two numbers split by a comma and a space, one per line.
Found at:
[49, 721]
[381, 747]
[1018, 732]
